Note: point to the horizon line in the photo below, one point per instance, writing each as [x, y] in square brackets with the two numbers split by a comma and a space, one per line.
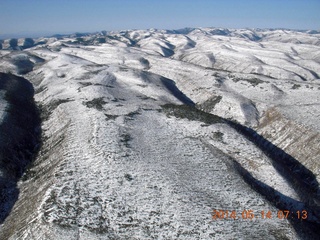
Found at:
[49, 34]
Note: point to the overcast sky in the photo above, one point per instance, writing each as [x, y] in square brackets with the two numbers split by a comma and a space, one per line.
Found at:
[68, 16]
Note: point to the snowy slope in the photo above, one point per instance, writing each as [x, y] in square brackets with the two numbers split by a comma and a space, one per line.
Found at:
[146, 132]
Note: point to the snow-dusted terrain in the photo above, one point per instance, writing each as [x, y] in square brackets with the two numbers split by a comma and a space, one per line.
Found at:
[144, 133]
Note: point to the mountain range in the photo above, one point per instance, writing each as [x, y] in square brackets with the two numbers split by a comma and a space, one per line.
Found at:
[197, 133]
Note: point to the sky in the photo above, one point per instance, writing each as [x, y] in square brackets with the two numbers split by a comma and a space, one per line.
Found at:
[32, 17]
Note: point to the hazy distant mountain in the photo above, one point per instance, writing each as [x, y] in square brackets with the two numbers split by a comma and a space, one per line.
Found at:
[143, 134]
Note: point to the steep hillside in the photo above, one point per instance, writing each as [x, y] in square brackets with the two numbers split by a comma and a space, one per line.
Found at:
[20, 136]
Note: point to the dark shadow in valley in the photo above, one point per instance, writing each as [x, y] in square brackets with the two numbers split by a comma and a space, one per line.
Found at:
[301, 179]
[23, 64]
[20, 137]
[166, 52]
[171, 86]
[303, 218]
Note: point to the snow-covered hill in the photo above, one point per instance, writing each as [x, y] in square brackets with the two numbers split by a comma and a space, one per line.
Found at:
[146, 132]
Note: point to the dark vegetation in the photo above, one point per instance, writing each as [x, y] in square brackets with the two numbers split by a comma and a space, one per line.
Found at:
[218, 136]
[96, 103]
[88, 41]
[145, 63]
[128, 177]
[253, 81]
[111, 117]
[296, 86]
[191, 113]
[125, 139]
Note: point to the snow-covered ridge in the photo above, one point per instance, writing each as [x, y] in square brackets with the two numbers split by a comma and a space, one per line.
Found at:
[146, 132]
